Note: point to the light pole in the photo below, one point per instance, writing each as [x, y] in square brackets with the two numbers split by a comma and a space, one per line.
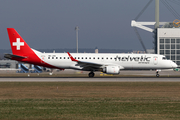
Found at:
[157, 14]
[77, 28]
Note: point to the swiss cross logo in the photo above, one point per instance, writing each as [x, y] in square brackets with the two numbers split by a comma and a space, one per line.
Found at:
[18, 44]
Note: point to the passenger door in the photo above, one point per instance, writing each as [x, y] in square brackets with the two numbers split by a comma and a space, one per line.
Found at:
[43, 59]
[155, 60]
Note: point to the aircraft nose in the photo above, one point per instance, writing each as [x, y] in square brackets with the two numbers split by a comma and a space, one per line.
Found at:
[174, 65]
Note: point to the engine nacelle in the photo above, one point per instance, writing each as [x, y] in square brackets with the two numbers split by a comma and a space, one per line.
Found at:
[111, 70]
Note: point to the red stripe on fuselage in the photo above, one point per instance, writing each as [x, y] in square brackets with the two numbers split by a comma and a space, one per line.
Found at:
[34, 59]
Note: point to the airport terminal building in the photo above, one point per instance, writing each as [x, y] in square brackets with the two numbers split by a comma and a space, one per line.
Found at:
[11, 64]
[168, 42]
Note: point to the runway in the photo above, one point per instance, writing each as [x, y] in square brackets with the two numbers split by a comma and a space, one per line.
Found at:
[90, 79]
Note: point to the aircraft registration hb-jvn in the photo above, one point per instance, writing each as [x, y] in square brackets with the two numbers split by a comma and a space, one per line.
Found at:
[106, 62]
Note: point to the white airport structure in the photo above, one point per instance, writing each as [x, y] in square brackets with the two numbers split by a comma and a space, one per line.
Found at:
[168, 43]
[166, 37]
[8, 64]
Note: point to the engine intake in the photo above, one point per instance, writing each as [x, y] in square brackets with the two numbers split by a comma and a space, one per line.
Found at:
[111, 70]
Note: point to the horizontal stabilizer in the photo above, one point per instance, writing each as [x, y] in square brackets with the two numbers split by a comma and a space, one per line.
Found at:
[9, 56]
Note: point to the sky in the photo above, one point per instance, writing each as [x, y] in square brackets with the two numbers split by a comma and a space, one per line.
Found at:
[105, 24]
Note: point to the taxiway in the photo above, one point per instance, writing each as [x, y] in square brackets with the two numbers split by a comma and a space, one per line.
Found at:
[144, 79]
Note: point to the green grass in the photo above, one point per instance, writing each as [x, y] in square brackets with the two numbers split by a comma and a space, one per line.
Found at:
[89, 101]
[90, 108]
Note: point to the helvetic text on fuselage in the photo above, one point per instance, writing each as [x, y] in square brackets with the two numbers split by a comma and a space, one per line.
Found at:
[140, 60]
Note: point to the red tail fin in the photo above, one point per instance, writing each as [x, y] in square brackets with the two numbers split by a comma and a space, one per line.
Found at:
[22, 52]
[18, 45]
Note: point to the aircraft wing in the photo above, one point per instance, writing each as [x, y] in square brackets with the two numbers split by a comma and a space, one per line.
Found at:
[91, 65]
[85, 65]
[9, 56]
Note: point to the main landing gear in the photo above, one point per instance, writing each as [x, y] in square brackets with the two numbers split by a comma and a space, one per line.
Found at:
[91, 74]
[157, 74]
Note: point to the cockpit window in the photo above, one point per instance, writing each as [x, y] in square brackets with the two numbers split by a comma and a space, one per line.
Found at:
[164, 58]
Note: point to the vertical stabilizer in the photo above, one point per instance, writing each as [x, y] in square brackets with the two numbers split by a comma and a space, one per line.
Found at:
[18, 45]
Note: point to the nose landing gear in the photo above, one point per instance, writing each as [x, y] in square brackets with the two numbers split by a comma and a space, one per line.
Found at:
[157, 74]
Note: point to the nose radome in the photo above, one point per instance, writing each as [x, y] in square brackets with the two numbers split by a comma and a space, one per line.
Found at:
[174, 65]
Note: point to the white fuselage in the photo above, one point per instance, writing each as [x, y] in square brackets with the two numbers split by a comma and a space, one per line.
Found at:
[124, 61]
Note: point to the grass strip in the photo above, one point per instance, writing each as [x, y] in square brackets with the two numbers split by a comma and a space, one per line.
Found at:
[83, 100]
[90, 108]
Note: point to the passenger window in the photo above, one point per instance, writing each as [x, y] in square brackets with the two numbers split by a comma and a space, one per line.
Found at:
[52, 57]
[94, 58]
[78, 57]
[60, 58]
[56, 57]
[98, 57]
[48, 57]
[89, 57]
[86, 57]
[64, 57]
[106, 58]
[102, 58]
[82, 57]
[75, 58]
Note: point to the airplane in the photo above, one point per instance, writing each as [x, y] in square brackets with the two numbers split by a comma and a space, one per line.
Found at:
[109, 63]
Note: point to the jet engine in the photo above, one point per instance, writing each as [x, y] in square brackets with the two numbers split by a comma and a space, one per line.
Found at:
[111, 70]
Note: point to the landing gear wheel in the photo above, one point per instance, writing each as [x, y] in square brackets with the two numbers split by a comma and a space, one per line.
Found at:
[157, 75]
[91, 74]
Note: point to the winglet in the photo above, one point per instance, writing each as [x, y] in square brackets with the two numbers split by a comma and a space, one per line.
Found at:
[72, 57]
